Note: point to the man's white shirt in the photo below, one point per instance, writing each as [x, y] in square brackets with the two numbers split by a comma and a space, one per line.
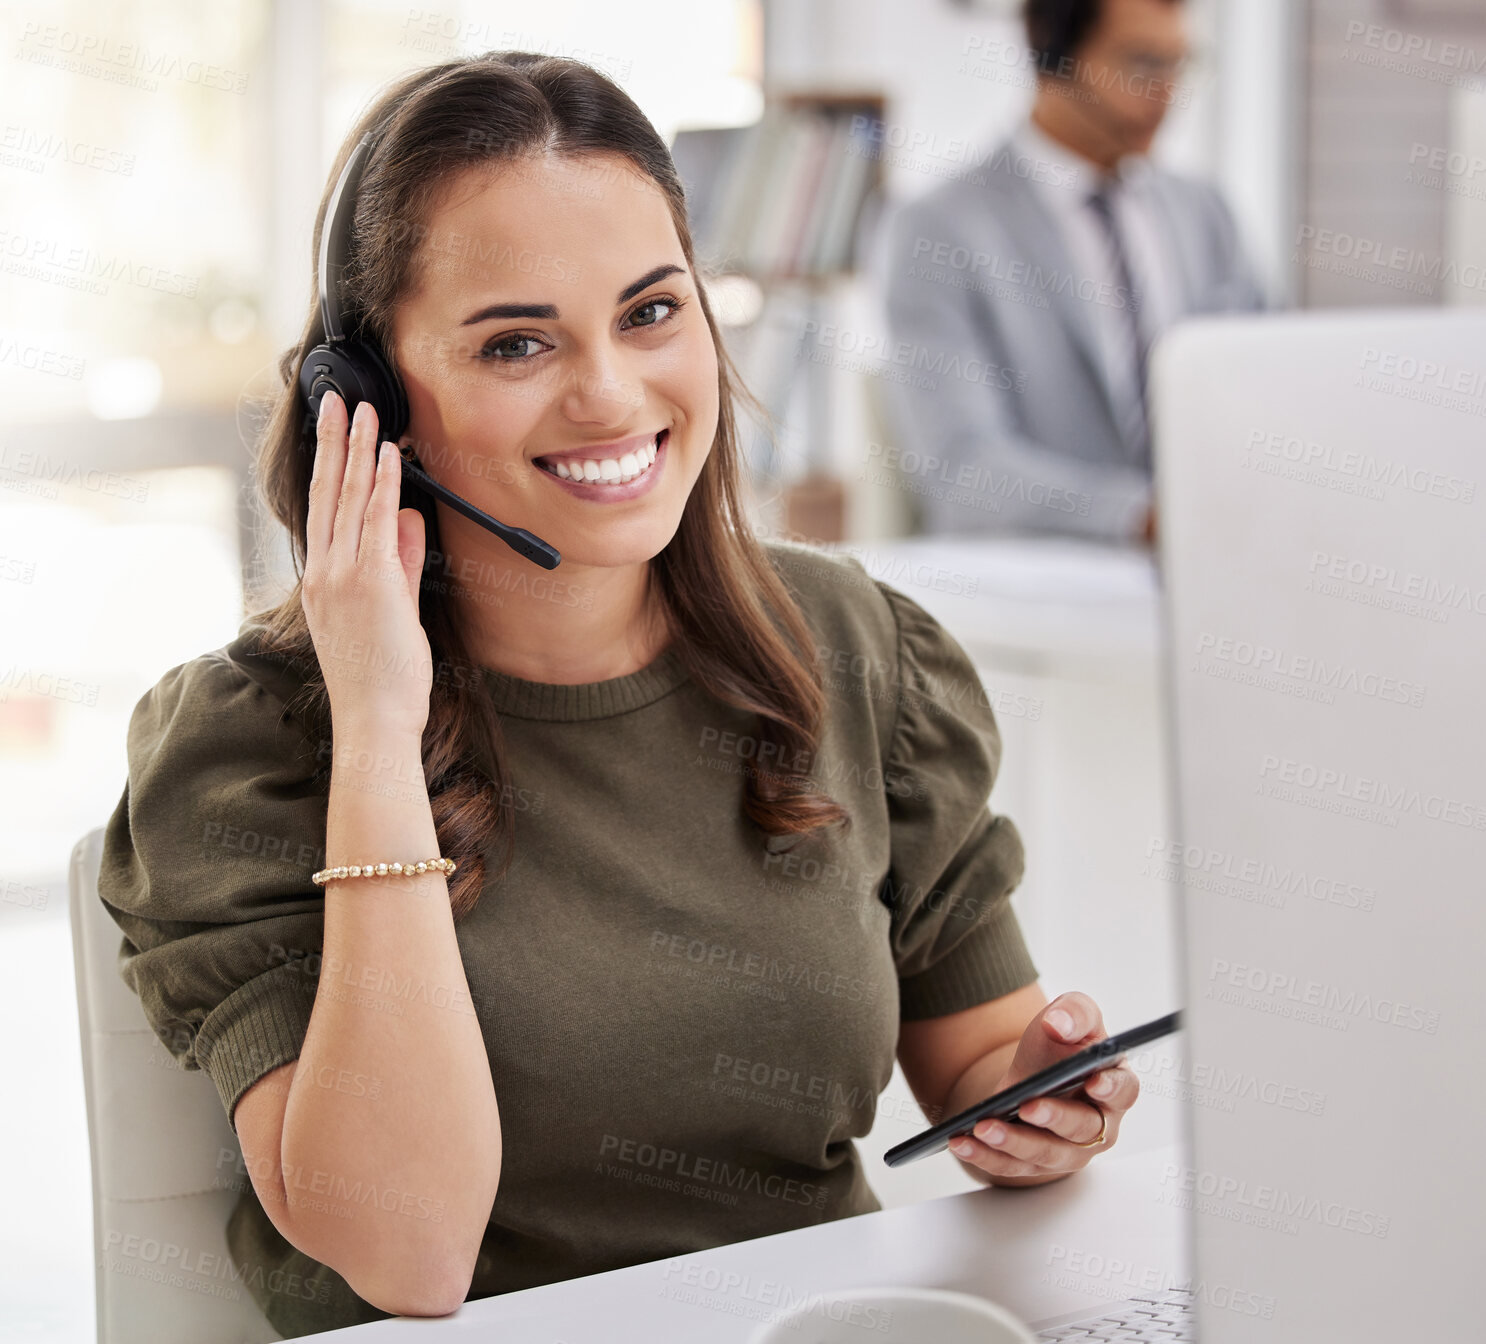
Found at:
[1064, 181]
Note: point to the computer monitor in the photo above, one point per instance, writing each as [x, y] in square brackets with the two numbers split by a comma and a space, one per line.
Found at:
[1321, 498]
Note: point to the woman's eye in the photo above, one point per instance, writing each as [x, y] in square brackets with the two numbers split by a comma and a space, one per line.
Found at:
[638, 319]
[501, 350]
[516, 349]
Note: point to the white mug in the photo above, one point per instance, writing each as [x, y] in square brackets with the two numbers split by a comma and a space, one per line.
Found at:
[894, 1316]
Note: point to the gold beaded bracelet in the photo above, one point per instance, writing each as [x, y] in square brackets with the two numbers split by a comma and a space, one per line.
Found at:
[383, 870]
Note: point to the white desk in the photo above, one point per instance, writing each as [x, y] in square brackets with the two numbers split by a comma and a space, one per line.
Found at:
[1095, 1237]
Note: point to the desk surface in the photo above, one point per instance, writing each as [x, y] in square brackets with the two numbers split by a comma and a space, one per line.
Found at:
[1095, 1237]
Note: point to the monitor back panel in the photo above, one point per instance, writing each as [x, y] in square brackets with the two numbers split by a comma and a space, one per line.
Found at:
[1322, 504]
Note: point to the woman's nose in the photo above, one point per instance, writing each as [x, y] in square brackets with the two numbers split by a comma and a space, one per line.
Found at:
[600, 389]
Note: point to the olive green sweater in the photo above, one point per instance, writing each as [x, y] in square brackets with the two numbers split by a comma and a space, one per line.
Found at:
[686, 1025]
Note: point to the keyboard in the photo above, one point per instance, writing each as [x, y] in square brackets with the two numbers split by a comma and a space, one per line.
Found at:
[1145, 1318]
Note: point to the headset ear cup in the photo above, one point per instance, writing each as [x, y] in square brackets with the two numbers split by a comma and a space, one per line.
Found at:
[314, 381]
[356, 372]
[387, 393]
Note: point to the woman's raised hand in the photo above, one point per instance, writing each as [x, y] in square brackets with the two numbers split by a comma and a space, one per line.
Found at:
[362, 565]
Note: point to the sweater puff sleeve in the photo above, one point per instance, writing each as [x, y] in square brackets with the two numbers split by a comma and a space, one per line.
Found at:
[954, 863]
[206, 869]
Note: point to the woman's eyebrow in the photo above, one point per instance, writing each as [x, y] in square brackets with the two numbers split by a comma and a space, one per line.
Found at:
[548, 311]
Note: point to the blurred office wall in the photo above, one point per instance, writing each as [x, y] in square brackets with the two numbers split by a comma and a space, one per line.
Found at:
[1393, 129]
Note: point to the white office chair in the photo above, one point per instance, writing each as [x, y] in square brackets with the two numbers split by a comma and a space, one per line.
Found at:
[166, 1164]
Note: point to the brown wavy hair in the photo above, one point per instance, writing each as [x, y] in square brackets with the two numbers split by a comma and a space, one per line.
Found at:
[739, 632]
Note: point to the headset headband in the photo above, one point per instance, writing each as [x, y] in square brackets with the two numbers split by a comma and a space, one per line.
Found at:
[335, 239]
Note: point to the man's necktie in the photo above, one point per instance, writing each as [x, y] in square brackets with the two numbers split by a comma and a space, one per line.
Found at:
[1135, 427]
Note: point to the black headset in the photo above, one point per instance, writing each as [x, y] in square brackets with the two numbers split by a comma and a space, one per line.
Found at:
[355, 368]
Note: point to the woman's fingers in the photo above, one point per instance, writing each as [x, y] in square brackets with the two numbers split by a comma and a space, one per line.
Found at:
[1074, 1016]
[1041, 1147]
[1011, 1149]
[992, 1160]
[411, 548]
[356, 487]
[325, 480]
[378, 551]
[1113, 1090]
[1053, 1129]
[1074, 1121]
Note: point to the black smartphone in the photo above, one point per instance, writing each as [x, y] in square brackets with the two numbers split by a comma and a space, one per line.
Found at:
[1057, 1080]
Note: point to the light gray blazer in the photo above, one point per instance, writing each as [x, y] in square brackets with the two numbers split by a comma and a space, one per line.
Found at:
[994, 390]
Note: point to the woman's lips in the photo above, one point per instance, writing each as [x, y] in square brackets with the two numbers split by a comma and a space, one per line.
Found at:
[599, 451]
[604, 478]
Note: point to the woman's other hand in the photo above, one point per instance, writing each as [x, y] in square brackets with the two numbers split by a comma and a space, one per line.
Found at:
[1049, 1137]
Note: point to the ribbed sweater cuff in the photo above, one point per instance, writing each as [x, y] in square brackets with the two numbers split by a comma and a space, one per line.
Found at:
[255, 1029]
[988, 962]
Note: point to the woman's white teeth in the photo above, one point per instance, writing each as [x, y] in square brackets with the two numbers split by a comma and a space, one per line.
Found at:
[610, 469]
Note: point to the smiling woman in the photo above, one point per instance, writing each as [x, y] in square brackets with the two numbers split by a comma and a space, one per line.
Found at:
[521, 251]
[718, 807]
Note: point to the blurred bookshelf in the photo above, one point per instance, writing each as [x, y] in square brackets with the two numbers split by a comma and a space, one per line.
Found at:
[781, 205]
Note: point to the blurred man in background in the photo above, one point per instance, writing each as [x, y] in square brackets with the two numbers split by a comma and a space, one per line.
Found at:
[1053, 265]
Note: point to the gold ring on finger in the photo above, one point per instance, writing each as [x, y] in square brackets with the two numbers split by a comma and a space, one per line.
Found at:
[1103, 1130]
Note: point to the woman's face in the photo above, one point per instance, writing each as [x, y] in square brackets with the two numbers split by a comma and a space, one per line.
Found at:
[557, 329]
